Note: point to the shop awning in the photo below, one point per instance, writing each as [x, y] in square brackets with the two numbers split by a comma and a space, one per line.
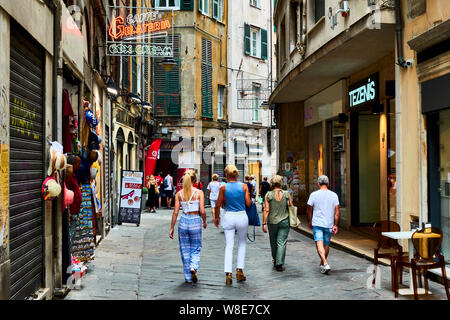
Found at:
[351, 51]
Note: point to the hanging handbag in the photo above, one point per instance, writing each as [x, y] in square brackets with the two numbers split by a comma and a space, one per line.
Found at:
[293, 218]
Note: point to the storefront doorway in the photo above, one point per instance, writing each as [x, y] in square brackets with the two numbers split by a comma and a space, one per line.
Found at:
[365, 168]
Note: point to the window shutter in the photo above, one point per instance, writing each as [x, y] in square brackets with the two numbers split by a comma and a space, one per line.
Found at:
[134, 75]
[207, 92]
[125, 73]
[263, 44]
[166, 85]
[187, 5]
[247, 39]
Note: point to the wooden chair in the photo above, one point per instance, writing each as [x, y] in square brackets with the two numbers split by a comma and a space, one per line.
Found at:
[427, 256]
[385, 243]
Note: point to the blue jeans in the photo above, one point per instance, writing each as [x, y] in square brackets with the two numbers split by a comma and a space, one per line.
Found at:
[322, 234]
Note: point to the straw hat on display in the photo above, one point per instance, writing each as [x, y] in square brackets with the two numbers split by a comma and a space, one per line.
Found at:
[50, 189]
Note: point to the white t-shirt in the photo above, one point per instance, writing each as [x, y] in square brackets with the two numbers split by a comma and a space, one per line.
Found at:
[323, 203]
[214, 188]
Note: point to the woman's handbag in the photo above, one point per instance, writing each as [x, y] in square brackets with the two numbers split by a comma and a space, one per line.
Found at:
[253, 217]
[253, 220]
[293, 218]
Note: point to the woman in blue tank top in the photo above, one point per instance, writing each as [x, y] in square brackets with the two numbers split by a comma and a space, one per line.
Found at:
[235, 197]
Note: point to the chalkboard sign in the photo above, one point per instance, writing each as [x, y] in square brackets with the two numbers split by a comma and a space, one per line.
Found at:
[131, 197]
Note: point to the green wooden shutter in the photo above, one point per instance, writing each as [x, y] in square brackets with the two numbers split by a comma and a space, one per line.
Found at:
[166, 85]
[187, 5]
[263, 44]
[247, 40]
[134, 71]
[207, 91]
[125, 73]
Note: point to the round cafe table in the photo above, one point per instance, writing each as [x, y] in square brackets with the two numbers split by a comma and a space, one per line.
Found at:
[402, 235]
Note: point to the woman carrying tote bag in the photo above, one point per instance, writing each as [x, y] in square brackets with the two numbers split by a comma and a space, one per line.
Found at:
[276, 217]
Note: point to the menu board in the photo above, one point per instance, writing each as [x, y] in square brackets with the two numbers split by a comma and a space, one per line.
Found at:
[131, 197]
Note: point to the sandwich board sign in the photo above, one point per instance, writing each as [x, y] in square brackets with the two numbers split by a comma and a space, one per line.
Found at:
[131, 197]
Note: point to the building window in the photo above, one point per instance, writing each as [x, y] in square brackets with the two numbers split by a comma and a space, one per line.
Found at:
[255, 42]
[255, 3]
[167, 4]
[218, 10]
[282, 43]
[220, 101]
[319, 9]
[256, 90]
[203, 7]
[293, 36]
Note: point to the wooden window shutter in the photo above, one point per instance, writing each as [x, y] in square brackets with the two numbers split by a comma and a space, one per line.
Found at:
[263, 44]
[207, 91]
[187, 5]
[247, 40]
[134, 71]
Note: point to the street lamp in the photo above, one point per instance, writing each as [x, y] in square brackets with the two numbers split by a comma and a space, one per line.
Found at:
[168, 64]
[265, 105]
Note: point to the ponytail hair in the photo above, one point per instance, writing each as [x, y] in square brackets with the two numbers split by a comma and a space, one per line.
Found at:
[188, 178]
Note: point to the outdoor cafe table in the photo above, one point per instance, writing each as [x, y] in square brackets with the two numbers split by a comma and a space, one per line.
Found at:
[408, 235]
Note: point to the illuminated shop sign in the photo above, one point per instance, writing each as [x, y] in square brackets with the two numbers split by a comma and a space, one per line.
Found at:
[131, 35]
[120, 30]
[365, 92]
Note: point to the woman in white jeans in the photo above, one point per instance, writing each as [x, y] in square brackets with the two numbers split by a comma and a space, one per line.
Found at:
[236, 197]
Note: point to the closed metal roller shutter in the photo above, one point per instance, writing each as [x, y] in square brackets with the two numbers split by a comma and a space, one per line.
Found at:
[106, 176]
[26, 166]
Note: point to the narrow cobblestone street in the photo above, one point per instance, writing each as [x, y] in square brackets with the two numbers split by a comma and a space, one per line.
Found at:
[143, 263]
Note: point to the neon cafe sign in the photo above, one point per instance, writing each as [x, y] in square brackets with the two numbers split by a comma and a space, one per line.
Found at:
[131, 36]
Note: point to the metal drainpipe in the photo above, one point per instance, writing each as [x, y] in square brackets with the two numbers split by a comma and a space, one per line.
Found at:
[398, 27]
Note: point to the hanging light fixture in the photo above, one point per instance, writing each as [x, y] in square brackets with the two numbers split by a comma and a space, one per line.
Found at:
[168, 64]
[265, 105]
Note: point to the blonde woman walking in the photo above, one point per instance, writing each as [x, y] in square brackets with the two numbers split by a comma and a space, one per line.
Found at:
[276, 216]
[236, 197]
[192, 203]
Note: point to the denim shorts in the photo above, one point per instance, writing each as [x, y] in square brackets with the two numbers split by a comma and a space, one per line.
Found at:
[322, 234]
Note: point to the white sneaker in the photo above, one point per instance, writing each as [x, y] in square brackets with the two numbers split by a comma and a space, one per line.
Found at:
[325, 269]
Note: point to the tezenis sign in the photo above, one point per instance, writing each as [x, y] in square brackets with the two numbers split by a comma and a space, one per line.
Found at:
[119, 30]
[365, 92]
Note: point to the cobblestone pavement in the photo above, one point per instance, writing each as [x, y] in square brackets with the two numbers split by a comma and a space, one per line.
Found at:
[143, 263]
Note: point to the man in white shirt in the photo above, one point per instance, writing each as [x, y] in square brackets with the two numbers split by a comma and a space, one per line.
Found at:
[323, 218]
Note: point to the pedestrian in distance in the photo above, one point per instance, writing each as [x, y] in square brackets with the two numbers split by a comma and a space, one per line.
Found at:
[236, 196]
[276, 219]
[213, 193]
[192, 203]
[153, 191]
[252, 180]
[264, 187]
[224, 181]
[249, 185]
[323, 218]
[168, 190]
[159, 181]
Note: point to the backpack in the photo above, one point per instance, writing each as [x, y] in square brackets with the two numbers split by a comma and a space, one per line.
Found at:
[165, 183]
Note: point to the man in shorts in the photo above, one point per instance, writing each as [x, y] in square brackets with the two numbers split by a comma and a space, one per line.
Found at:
[323, 218]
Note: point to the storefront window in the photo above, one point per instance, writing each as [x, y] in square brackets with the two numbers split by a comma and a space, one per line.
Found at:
[338, 162]
[444, 140]
[315, 155]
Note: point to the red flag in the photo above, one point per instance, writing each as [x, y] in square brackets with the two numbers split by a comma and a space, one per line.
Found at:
[151, 158]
